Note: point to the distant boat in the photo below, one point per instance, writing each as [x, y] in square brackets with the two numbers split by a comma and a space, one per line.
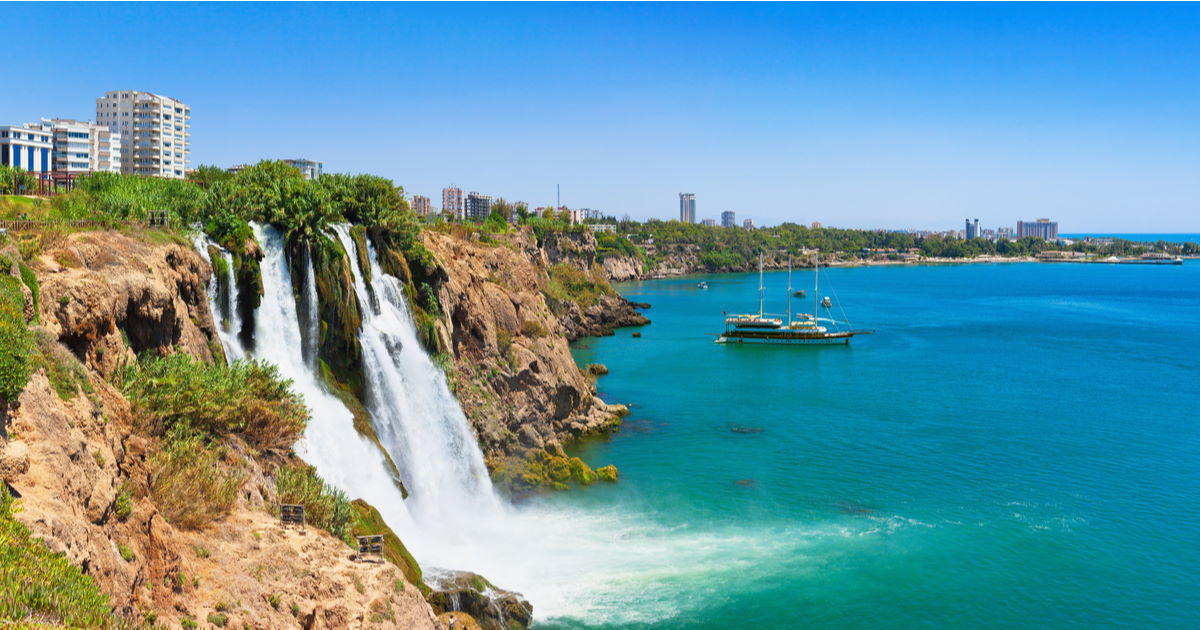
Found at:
[803, 329]
[799, 293]
[702, 285]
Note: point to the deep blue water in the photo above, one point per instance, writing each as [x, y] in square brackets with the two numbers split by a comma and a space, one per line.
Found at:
[1017, 445]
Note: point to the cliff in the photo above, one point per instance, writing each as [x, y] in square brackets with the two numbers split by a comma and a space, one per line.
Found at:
[508, 312]
[88, 467]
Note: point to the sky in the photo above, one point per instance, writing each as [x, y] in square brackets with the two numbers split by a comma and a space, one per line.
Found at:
[854, 115]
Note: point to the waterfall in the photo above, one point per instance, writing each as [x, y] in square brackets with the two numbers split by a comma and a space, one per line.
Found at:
[344, 458]
[414, 413]
[227, 319]
[604, 563]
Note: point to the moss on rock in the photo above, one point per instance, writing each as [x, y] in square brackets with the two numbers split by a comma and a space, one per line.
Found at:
[540, 470]
[368, 522]
[339, 312]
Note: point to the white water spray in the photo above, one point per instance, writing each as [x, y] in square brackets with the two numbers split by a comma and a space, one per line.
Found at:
[603, 564]
[227, 325]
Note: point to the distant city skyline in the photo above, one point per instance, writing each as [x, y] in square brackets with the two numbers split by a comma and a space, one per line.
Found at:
[854, 115]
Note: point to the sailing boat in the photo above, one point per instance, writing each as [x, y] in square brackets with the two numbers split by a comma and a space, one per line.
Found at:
[803, 329]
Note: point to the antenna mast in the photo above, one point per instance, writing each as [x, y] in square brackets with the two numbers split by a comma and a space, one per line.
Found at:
[760, 286]
[816, 271]
[789, 289]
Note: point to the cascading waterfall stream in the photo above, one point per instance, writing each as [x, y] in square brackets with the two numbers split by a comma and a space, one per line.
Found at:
[228, 321]
[601, 564]
[343, 457]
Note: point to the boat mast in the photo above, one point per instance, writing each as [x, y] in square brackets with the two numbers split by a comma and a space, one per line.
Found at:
[789, 289]
[816, 268]
[760, 285]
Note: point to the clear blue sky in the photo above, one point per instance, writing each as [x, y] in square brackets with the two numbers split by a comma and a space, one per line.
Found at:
[855, 115]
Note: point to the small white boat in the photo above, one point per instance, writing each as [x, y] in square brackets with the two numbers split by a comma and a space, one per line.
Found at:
[702, 285]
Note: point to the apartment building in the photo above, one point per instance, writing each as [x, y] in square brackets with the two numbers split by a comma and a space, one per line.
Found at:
[26, 147]
[478, 206]
[452, 201]
[80, 146]
[1042, 228]
[728, 219]
[420, 205]
[155, 131]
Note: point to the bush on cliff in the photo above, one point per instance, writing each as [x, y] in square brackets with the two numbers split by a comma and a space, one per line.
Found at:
[568, 283]
[39, 586]
[15, 340]
[324, 506]
[248, 399]
[194, 480]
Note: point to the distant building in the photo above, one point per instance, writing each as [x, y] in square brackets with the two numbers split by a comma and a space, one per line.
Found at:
[577, 216]
[728, 219]
[452, 201]
[972, 230]
[81, 146]
[603, 227]
[478, 206]
[710, 222]
[1004, 232]
[155, 131]
[816, 225]
[420, 205]
[589, 213]
[1042, 228]
[26, 148]
[748, 224]
[687, 208]
[309, 168]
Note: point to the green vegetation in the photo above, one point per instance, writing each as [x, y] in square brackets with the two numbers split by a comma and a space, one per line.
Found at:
[126, 552]
[568, 283]
[218, 619]
[37, 585]
[248, 399]
[16, 343]
[324, 506]
[31, 281]
[66, 374]
[124, 504]
[193, 480]
[15, 180]
[543, 470]
[187, 623]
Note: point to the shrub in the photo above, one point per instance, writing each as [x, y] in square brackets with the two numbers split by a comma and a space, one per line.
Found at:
[202, 552]
[568, 283]
[124, 504]
[187, 623]
[247, 398]
[15, 340]
[324, 506]
[66, 374]
[218, 619]
[191, 482]
[31, 281]
[126, 552]
[531, 328]
[36, 583]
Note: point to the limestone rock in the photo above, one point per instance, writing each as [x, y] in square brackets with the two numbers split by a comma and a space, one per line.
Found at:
[14, 460]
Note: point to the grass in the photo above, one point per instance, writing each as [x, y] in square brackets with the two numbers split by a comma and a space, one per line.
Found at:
[124, 504]
[218, 619]
[126, 552]
[248, 399]
[192, 481]
[324, 506]
[31, 281]
[37, 585]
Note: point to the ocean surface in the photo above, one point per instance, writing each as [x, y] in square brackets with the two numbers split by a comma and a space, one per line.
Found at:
[1174, 237]
[1017, 446]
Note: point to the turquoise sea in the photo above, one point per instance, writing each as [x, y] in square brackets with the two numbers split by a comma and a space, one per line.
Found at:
[1017, 446]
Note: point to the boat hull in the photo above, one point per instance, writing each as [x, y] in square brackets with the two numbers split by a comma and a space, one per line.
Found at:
[786, 339]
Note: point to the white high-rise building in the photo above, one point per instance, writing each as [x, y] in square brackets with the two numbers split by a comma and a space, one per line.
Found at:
[687, 208]
[155, 131]
[452, 201]
[80, 146]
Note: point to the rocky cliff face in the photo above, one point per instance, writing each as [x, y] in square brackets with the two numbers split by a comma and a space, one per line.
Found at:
[109, 297]
[72, 452]
[514, 373]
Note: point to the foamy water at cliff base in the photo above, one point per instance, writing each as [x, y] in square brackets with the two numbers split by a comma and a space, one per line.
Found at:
[598, 564]
[923, 477]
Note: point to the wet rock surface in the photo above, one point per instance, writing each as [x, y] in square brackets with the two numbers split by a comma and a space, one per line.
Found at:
[490, 607]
